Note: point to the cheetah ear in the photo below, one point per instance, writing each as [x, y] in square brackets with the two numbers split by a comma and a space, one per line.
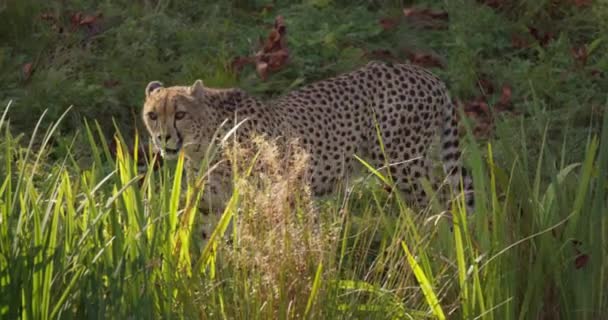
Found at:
[153, 86]
[197, 89]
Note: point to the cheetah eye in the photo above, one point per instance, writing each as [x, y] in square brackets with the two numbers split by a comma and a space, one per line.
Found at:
[152, 115]
[179, 115]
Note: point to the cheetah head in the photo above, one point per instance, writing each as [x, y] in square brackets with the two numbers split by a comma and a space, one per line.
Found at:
[185, 118]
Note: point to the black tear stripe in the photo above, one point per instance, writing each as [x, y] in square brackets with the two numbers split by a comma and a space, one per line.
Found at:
[179, 135]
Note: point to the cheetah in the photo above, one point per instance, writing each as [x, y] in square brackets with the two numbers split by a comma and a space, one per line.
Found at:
[384, 113]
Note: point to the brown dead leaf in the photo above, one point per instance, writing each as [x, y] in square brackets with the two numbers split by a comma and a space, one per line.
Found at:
[273, 54]
[519, 42]
[276, 39]
[479, 112]
[582, 3]
[237, 64]
[424, 59]
[89, 19]
[495, 4]
[81, 19]
[505, 98]
[389, 23]
[596, 73]
[53, 21]
[381, 54]
[75, 19]
[276, 60]
[427, 18]
[543, 38]
[27, 70]
[477, 108]
[580, 55]
[262, 69]
[485, 85]
[111, 83]
[426, 13]
[483, 129]
[581, 260]
[48, 16]
[89, 23]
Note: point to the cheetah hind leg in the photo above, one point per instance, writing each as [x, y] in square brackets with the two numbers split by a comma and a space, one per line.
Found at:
[408, 175]
[416, 181]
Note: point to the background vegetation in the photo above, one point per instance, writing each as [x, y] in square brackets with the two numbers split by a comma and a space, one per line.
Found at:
[82, 235]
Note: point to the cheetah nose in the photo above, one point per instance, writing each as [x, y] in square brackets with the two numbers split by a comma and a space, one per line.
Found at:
[165, 138]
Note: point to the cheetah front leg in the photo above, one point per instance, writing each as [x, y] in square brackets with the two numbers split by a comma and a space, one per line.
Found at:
[216, 182]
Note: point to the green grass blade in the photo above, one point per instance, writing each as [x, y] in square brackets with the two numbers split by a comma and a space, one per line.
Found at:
[315, 290]
[425, 285]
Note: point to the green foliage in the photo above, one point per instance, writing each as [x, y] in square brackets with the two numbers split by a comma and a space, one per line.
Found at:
[101, 241]
[102, 70]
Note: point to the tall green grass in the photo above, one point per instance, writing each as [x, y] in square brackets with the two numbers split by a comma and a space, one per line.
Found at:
[104, 241]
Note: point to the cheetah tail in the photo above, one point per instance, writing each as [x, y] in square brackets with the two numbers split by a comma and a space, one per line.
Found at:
[451, 157]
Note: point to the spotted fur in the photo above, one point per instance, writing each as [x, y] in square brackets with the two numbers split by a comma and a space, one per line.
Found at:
[334, 120]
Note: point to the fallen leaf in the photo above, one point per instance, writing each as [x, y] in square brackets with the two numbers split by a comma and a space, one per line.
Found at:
[485, 86]
[273, 43]
[262, 69]
[581, 260]
[81, 19]
[89, 19]
[427, 60]
[276, 39]
[389, 23]
[237, 64]
[495, 4]
[519, 42]
[110, 83]
[276, 60]
[427, 18]
[582, 3]
[75, 19]
[53, 21]
[478, 111]
[48, 16]
[483, 129]
[477, 107]
[381, 54]
[543, 38]
[426, 13]
[597, 73]
[279, 24]
[505, 98]
[90, 23]
[26, 70]
[273, 54]
[580, 55]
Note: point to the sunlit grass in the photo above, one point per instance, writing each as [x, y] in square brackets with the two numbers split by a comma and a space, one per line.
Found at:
[103, 240]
